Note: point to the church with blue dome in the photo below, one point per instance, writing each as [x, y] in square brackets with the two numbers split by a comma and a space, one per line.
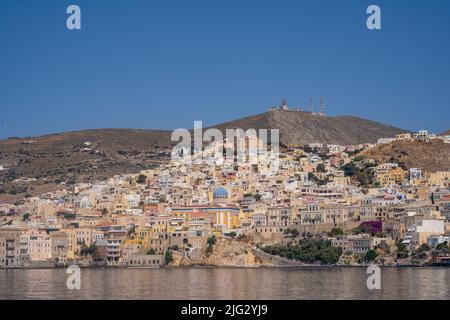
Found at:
[220, 195]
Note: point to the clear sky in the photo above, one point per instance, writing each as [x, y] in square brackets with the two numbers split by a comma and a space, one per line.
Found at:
[163, 64]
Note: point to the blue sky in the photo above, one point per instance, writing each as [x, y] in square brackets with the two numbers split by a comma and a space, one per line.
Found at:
[163, 64]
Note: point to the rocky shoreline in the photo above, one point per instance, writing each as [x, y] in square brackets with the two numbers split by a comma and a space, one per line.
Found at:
[244, 254]
[309, 266]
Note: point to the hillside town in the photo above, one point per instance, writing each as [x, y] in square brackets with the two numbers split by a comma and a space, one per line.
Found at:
[326, 204]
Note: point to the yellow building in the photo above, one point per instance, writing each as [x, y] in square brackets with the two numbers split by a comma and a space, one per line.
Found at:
[225, 217]
[72, 246]
[390, 176]
[403, 137]
[132, 247]
[340, 181]
[46, 210]
[439, 179]
[143, 232]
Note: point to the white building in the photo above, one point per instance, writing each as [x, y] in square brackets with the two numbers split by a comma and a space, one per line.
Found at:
[422, 135]
[415, 174]
[425, 229]
[385, 140]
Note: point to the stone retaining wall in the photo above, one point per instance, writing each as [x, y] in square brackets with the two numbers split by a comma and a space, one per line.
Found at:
[268, 259]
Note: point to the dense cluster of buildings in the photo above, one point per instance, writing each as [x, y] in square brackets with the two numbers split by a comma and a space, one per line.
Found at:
[135, 220]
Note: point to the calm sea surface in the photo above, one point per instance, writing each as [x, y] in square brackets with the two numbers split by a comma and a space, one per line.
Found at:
[227, 283]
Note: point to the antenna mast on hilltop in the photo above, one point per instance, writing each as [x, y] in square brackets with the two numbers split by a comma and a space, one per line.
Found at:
[310, 105]
[284, 105]
[322, 107]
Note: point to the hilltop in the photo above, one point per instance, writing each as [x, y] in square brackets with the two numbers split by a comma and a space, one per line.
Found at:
[296, 127]
[109, 140]
[300, 128]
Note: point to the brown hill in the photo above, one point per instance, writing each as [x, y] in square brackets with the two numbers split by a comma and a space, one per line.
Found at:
[296, 127]
[445, 133]
[430, 156]
[74, 157]
[90, 155]
[300, 128]
[109, 140]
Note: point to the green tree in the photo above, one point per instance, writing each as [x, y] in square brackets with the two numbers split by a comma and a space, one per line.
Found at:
[364, 178]
[312, 177]
[242, 237]
[70, 216]
[321, 168]
[151, 251]
[401, 246]
[442, 246]
[335, 232]
[330, 255]
[26, 217]
[142, 178]
[292, 232]
[168, 258]
[370, 255]
[308, 149]
[402, 250]
[92, 249]
[83, 250]
[211, 240]
[307, 250]
[88, 251]
[349, 169]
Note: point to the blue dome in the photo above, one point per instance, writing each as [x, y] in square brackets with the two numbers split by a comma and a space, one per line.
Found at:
[220, 193]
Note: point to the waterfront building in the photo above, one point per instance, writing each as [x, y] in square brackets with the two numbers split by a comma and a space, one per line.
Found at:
[39, 245]
[355, 244]
[59, 246]
[426, 228]
[10, 256]
[144, 260]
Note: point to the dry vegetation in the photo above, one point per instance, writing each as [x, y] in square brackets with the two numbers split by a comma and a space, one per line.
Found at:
[47, 162]
[429, 156]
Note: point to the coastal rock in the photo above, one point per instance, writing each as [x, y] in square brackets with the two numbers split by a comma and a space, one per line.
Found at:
[349, 260]
[225, 252]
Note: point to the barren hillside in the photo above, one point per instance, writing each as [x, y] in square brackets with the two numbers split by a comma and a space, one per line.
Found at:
[429, 156]
[299, 128]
